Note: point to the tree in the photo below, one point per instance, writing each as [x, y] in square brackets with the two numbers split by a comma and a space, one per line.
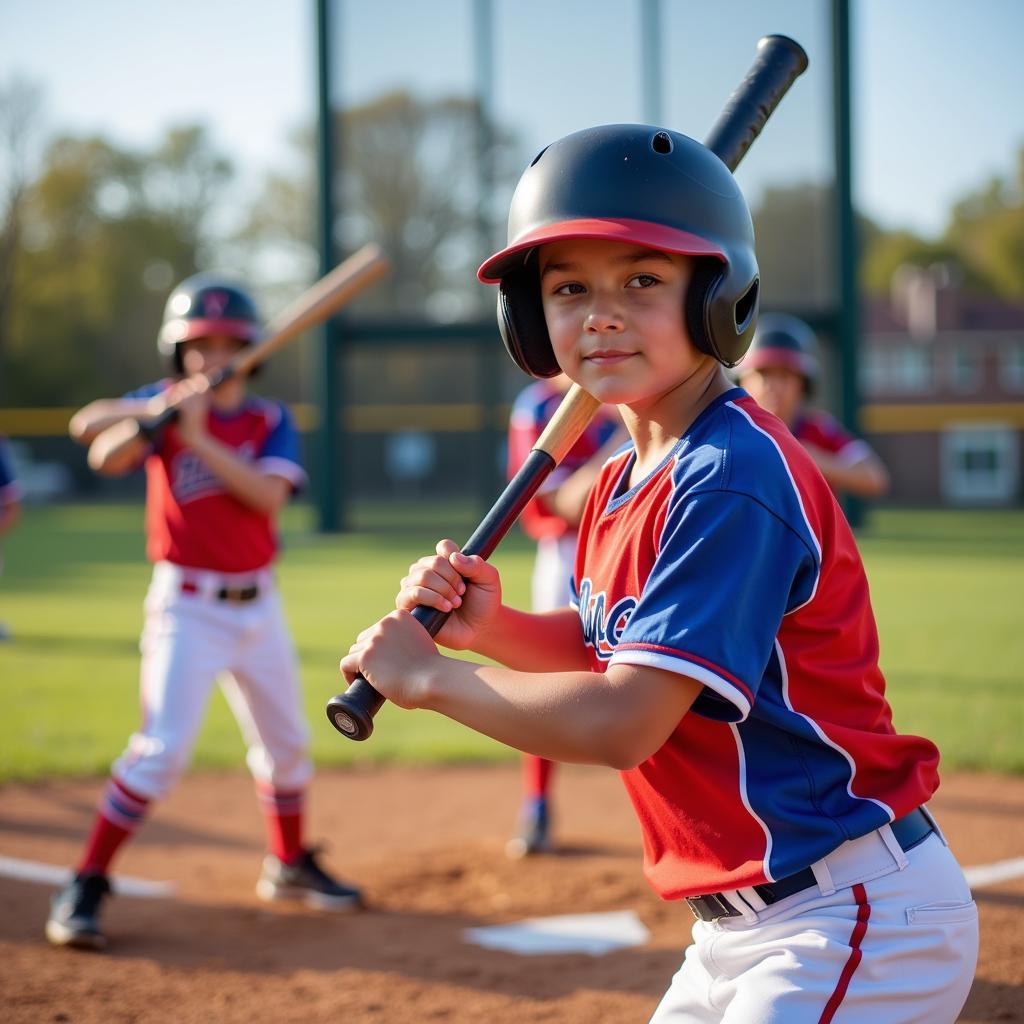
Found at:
[106, 232]
[21, 104]
[987, 231]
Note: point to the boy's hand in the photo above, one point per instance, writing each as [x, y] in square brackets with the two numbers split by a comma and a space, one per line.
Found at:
[440, 581]
[193, 400]
[396, 656]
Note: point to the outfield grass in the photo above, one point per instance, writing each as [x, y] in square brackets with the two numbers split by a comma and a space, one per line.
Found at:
[946, 588]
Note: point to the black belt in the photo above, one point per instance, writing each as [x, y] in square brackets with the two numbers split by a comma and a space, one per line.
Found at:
[911, 829]
[238, 594]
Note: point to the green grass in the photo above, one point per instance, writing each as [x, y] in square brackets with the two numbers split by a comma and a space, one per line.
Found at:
[946, 587]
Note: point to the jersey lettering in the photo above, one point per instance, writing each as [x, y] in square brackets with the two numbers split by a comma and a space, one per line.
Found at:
[602, 632]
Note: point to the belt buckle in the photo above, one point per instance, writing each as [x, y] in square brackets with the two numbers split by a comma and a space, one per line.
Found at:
[238, 595]
[717, 905]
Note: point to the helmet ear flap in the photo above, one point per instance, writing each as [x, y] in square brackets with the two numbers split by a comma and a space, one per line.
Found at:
[725, 339]
[706, 274]
[522, 325]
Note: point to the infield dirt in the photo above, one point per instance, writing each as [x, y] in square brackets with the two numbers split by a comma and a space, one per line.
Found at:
[426, 844]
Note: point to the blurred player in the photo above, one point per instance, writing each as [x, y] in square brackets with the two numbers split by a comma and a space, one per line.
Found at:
[216, 482]
[552, 519]
[10, 507]
[779, 372]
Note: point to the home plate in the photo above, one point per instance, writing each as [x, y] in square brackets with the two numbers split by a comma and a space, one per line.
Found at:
[595, 934]
[50, 874]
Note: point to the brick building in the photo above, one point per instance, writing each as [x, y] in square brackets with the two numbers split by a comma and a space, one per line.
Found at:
[942, 385]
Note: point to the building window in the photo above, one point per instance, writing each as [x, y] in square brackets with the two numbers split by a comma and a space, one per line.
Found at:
[980, 464]
[897, 369]
[965, 368]
[1011, 366]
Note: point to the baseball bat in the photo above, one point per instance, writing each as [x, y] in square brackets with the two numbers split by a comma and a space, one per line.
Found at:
[319, 302]
[778, 63]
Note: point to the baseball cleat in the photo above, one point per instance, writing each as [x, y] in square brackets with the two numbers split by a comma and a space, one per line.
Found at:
[306, 882]
[534, 835]
[74, 913]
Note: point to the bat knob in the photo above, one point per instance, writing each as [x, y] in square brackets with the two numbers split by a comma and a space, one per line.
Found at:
[351, 712]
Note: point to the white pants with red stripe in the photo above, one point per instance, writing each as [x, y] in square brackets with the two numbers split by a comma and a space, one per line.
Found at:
[191, 640]
[885, 937]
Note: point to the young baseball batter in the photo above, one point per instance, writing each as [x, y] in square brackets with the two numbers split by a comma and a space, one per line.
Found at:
[216, 480]
[552, 520]
[723, 653]
[780, 372]
[10, 508]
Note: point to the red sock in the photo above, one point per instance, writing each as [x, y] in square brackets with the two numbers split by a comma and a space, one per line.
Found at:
[282, 814]
[119, 814]
[536, 776]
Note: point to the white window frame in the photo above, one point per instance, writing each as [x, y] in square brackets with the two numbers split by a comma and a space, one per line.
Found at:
[963, 486]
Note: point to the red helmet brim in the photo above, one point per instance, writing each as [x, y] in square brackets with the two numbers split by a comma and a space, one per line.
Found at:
[639, 232]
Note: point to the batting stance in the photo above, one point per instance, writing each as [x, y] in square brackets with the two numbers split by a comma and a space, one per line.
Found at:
[217, 478]
[723, 653]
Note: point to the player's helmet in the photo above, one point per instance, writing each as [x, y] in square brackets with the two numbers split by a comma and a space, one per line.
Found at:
[630, 183]
[203, 305]
[786, 341]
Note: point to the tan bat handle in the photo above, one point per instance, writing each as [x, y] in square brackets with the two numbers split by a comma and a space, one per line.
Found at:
[316, 304]
[564, 429]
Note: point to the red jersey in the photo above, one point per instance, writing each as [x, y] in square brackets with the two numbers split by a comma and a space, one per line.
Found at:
[191, 519]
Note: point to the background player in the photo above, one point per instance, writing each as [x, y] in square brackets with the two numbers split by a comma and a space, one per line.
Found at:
[10, 507]
[724, 655]
[216, 481]
[552, 520]
[780, 373]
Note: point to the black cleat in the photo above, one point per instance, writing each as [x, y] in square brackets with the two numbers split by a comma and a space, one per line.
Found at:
[74, 913]
[307, 882]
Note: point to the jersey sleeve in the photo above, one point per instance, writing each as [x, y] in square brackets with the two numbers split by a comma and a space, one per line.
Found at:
[279, 455]
[828, 433]
[726, 572]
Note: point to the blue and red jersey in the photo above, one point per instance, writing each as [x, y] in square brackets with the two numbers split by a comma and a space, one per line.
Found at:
[191, 518]
[732, 564]
[531, 412]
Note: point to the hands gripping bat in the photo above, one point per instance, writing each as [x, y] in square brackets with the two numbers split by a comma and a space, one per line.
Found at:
[779, 62]
[312, 307]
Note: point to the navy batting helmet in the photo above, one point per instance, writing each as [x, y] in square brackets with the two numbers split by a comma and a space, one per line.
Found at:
[785, 341]
[640, 184]
[203, 305]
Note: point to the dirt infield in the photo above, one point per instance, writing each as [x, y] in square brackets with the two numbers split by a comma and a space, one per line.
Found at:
[427, 846]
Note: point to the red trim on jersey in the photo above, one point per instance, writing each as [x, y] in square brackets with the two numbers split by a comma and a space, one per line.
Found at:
[856, 955]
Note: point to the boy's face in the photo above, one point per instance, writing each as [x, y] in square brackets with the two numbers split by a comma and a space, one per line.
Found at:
[777, 389]
[201, 355]
[614, 311]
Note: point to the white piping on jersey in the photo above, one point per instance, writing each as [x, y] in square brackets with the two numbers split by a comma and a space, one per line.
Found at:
[821, 735]
[799, 499]
[746, 803]
[274, 465]
[726, 690]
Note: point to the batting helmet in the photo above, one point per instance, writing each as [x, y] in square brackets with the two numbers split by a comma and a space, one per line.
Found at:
[639, 184]
[203, 305]
[783, 340]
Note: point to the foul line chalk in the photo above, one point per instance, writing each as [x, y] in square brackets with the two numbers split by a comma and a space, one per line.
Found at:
[50, 874]
[595, 934]
[989, 874]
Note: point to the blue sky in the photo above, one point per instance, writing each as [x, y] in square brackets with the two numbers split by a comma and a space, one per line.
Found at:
[938, 83]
